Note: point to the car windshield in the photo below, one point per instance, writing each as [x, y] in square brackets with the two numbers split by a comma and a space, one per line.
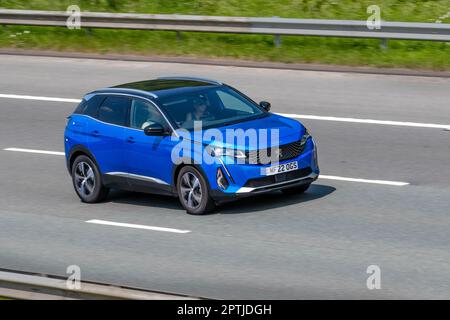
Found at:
[215, 107]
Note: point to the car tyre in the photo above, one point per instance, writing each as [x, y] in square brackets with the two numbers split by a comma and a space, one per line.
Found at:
[193, 191]
[87, 180]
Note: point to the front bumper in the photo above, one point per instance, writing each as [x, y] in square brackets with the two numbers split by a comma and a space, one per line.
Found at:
[247, 180]
[243, 192]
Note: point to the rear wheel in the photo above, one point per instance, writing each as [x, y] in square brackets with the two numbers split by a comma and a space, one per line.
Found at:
[87, 180]
[297, 190]
[193, 191]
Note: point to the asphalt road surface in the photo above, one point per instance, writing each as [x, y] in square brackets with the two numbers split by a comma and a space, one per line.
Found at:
[316, 245]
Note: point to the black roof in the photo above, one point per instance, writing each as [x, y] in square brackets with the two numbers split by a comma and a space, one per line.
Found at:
[161, 87]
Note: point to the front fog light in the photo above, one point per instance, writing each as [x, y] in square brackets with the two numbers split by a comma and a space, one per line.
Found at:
[222, 182]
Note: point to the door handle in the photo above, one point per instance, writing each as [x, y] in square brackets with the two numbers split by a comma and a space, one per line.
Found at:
[95, 133]
[131, 140]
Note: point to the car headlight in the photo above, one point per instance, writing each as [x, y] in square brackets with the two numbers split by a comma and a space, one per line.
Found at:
[305, 137]
[223, 152]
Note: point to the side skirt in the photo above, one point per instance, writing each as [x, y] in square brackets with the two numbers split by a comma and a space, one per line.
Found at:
[124, 182]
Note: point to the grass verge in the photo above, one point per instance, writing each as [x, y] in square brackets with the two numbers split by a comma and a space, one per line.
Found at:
[352, 52]
[392, 10]
[339, 51]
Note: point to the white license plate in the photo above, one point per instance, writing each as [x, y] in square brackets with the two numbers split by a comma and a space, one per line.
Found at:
[285, 167]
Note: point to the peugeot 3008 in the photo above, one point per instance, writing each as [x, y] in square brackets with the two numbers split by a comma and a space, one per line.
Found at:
[124, 137]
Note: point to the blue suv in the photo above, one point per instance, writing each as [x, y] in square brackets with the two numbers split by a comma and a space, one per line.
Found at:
[154, 136]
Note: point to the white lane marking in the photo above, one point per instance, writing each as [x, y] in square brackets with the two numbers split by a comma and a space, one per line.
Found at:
[385, 182]
[55, 153]
[369, 121]
[136, 226]
[16, 96]
[391, 183]
[290, 115]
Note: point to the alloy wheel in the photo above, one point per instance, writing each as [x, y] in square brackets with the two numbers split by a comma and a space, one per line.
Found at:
[84, 179]
[191, 190]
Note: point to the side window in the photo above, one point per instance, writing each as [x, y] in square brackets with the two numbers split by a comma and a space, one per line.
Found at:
[90, 107]
[143, 114]
[81, 107]
[232, 102]
[114, 109]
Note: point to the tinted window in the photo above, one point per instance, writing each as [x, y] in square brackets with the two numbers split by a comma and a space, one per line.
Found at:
[114, 110]
[90, 107]
[143, 114]
[215, 106]
[230, 100]
[81, 107]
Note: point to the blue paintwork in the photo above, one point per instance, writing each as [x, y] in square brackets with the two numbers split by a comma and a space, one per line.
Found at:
[148, 155]
[122, 149]
[289, 131]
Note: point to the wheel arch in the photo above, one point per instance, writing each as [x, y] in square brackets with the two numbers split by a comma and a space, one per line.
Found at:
[184, 162]
[77, 151]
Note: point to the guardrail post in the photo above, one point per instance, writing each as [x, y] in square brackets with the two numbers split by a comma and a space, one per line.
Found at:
[384, 44]
[179, 36]
[277, 37]
[277, 40]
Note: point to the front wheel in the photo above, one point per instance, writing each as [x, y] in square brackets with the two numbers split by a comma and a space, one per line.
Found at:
[193, 191]
[297, 190]
[87, 180]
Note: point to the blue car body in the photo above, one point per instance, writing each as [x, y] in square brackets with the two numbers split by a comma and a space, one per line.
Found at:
[128, 158]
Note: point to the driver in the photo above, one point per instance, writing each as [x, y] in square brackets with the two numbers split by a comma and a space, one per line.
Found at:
[200, 110]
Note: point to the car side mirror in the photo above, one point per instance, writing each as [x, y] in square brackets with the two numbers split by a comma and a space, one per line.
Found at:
[155, 129]
[265, 105]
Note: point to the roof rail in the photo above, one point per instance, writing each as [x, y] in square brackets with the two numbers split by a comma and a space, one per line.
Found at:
[191, 78]
[125, 90]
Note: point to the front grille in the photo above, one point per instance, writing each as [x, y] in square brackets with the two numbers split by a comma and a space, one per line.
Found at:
[286, 152]
[277, 178]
